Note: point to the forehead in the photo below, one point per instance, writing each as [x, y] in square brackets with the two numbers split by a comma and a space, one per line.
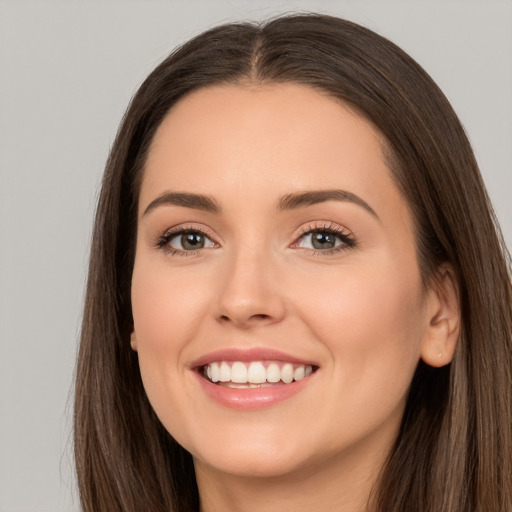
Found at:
[270, 114]
[242, 139]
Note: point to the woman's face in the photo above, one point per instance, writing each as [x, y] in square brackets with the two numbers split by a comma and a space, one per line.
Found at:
[273, 246]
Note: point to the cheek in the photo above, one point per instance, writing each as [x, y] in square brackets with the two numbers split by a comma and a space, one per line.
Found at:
[371, 321]
[166, 306]
[166, 310]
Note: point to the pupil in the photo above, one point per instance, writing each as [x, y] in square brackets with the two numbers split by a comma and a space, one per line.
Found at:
[191, 241]
[323, 240]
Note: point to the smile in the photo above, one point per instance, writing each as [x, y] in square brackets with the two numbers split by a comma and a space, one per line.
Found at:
[254, 374]
[252, 379]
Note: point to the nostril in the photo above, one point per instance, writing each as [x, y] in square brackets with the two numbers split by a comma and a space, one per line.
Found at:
[259, 317]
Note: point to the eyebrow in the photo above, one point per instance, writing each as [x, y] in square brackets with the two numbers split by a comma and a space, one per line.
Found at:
[302, 199]
[288, 202]
[186, 199]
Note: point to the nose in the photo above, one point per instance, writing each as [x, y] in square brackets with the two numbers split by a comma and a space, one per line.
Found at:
[250, 292]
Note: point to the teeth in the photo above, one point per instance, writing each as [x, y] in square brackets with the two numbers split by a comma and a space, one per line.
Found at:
[239, 373]
[287, 373]
[214, 370]
[299, 373]
[255, 374]
[273, 373]
[224, 372]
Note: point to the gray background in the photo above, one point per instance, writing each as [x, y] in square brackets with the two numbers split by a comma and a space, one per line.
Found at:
[67, 71]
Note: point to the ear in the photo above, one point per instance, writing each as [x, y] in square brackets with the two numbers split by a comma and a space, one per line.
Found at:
[133, 341]
[443, 310]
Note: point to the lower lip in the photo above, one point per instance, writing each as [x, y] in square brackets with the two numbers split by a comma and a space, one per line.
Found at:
[252, 399]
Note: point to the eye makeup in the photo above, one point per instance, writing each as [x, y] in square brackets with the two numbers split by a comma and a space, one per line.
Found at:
[186, 236]
[316, 238]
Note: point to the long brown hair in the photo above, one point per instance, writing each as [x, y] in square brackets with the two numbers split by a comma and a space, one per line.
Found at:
[454, 449]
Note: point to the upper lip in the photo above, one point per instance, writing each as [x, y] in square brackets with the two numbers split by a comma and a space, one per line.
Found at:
[248, 355]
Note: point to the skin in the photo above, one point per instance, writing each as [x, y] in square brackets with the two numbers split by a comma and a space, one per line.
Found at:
[361, 313]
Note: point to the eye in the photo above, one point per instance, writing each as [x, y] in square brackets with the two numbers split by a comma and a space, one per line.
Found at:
[185, 241]
[190, 241]
[325, 239]
[320, 240]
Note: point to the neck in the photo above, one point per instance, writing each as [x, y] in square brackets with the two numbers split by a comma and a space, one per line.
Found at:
[342, 485]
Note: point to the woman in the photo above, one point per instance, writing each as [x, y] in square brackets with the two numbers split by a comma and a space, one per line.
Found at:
[298, 295]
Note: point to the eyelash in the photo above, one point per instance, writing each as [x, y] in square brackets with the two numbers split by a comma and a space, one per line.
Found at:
[348, 241]
[163, 241]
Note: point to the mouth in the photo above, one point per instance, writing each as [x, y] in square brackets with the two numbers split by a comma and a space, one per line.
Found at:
[253, 379]
[254, 374]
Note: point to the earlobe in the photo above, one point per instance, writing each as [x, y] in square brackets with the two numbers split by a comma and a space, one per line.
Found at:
[442, 334]
[133, 341]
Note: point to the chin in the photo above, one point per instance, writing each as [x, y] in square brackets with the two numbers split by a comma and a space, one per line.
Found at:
[254, 464]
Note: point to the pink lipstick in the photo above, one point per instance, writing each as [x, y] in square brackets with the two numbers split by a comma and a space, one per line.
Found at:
[252, 378]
